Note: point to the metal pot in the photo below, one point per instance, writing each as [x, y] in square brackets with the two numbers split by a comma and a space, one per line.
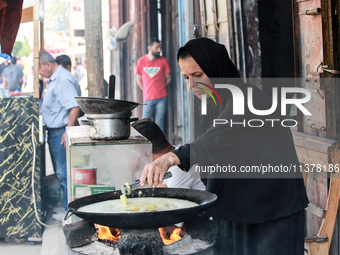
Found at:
[108, 126]
[140, 220]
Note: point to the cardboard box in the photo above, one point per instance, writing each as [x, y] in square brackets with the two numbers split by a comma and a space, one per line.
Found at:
[83, 190]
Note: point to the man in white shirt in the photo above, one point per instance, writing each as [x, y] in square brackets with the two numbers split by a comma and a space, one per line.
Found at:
[160, 146]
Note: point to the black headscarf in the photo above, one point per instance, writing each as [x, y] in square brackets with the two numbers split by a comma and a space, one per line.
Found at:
[214, 60]
[240, 200]
[212, 57]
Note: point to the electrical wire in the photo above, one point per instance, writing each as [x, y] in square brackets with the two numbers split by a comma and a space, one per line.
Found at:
[33, 191]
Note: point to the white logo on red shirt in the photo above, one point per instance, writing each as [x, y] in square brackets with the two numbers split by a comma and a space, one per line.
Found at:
[151, 71]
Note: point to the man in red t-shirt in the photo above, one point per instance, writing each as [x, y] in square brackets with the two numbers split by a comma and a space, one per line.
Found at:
[153, 75]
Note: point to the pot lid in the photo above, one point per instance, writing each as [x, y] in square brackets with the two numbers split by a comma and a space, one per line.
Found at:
[97, 105]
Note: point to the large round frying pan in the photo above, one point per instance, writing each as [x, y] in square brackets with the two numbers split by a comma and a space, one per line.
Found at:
[141, 220]
[94, 105]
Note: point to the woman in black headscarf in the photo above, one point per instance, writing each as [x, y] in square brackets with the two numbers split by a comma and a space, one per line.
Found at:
[255, 215]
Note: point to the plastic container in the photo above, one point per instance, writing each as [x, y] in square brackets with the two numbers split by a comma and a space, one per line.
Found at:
[85, 175]
[7, 94]
[5, 56]
[15, 93]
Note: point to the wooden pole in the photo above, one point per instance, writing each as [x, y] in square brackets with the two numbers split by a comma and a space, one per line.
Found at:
[73, 58]
[36, 55]
[94, 48]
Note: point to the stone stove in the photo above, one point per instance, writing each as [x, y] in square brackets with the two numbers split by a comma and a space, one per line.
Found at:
[199, 238]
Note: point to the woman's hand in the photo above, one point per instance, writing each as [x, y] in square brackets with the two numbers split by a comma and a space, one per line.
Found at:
[154, 172]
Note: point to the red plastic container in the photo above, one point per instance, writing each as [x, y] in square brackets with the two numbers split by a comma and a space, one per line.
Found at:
[84, 175]
[15, 93]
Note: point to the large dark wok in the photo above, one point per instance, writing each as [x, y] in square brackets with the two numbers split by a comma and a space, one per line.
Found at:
[144, 219]
[94, 105]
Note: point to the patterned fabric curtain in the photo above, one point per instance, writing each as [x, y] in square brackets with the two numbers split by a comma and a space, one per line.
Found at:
[10, 16]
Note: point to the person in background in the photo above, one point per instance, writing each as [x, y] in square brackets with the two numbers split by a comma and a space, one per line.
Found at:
[25, 63]
[161, 146]
[59, 109]
[13, 77]
[20, 63]
[256, 215]
[80, 75]
[153, 75]
[3, 65]
[65, 62]
[80, 71]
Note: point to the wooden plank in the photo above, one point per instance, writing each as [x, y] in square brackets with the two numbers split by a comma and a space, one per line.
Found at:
[327, 226]
[316, 239]
[316, 150]
[313, 142]
[27, 15]
[307, 156]
[317, 192]
[319, 212]
[328, 52]
[318, 248]
[322, 151]
[36, 56]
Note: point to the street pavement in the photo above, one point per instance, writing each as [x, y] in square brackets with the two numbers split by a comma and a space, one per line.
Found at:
[53, 241]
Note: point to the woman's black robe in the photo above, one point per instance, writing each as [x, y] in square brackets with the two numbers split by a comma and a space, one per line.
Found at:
[241, 200]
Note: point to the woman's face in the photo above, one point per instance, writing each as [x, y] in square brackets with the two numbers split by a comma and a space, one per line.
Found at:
[194, 76]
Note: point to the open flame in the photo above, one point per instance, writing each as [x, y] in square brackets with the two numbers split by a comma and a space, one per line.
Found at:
[106, 233]
[171, 234]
